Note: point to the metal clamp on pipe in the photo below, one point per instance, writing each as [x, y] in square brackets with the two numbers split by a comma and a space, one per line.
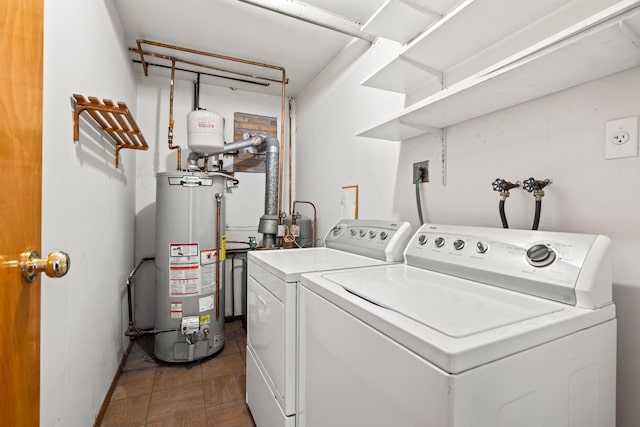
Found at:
[503, 187]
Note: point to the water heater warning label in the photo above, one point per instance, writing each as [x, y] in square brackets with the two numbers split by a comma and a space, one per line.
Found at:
[176, 310]
[184, 269]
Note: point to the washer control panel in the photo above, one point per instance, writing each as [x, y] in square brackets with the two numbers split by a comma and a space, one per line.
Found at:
[566, 267]
[379, 239]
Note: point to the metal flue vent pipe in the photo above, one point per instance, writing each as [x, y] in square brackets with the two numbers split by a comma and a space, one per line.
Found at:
[268, 225]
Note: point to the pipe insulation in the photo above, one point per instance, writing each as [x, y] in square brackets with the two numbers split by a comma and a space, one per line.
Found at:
[268, 225]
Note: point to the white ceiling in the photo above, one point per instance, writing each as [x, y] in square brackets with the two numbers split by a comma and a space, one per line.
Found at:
[234, 28]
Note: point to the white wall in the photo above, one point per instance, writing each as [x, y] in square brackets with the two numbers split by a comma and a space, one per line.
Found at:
[245, 204]
[559, 137]
[329, 112]
[87, 211]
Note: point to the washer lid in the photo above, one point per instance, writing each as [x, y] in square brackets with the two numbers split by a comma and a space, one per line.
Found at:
[455, 324]
[290, 264]
[452, 306]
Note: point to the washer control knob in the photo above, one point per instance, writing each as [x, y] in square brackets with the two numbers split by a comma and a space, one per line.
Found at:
[458, 244]
[336, 230]
[383, 235]
[422, 239]
[439, 242]
[353, 232]
[372, 234]
[362, 232]
[481, 247]
[540, 255]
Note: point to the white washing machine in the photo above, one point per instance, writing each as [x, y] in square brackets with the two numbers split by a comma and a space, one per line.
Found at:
[479, 328]
[272, 289]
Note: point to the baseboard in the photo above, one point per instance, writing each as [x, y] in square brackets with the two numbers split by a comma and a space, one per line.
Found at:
[107, 398]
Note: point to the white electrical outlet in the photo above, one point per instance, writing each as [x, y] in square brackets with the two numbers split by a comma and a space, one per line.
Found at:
[621, 138]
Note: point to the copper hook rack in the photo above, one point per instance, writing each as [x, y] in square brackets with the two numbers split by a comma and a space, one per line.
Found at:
[115, 119]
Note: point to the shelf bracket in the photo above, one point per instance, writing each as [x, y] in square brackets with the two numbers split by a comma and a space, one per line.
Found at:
[115, 119]
[437, 73]
[435, 15]
[417, 125]
[629, 33]
[443, 155]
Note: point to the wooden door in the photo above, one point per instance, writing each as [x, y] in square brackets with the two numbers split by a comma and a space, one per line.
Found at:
[21, 42]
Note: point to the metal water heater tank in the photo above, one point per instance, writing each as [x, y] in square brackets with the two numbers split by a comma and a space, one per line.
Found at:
[205, 131]
[190, 254]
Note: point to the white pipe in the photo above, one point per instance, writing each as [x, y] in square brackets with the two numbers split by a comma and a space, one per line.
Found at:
[314, 15]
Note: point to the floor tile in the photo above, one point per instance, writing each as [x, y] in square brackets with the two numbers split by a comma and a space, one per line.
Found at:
[230, 346]
[176, 401]
[224, 364]
[210, 392]
[130, 412]
[224, 389]
[233, 414]
[189, 419]
[134, 383]
[173, 376]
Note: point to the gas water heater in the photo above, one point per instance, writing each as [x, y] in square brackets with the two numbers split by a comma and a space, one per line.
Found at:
[190, 250]
[190, 254]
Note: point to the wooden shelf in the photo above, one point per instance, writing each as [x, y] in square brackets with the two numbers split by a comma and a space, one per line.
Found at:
[115, 119]
[603, 44]
[464, 42]
[402, 20]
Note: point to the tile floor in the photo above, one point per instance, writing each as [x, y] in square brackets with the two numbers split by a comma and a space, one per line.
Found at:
[207, 393]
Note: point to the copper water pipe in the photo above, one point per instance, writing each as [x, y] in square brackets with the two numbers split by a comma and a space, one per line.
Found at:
[171, 121]
[281, 145]
[218, 245]
[243, 61]
[144, 64]
[212, 55]
[290, 161]
[197, 64]
[315, 218]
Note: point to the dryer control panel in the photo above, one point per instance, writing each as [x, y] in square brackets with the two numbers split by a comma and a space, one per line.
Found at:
[379, 239]
[566, 267]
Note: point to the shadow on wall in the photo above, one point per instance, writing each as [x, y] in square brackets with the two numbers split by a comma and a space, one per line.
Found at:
[96, 149]
[627, 299]
[144, 281]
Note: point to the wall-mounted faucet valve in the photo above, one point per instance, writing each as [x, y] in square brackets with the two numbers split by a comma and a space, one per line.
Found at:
[503, 187]
[535, 187]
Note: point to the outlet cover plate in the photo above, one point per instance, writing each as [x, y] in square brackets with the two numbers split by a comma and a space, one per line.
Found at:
[621, 138]
[416, 171]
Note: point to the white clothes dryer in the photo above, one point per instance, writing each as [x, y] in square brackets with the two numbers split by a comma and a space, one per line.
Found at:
[479, 328]
[272, 292]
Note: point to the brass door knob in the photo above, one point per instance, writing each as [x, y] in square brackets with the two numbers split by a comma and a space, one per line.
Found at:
[56, 264]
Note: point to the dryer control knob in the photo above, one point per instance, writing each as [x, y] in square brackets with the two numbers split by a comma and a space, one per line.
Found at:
[353, 232]
[362, 232]
[383, 235]
[458, 244]
[481, 247]
[372, 234]
[439, 242]
[540, 255]
[422, 239]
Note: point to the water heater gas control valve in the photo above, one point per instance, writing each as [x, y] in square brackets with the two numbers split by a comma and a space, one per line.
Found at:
[190, 325]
